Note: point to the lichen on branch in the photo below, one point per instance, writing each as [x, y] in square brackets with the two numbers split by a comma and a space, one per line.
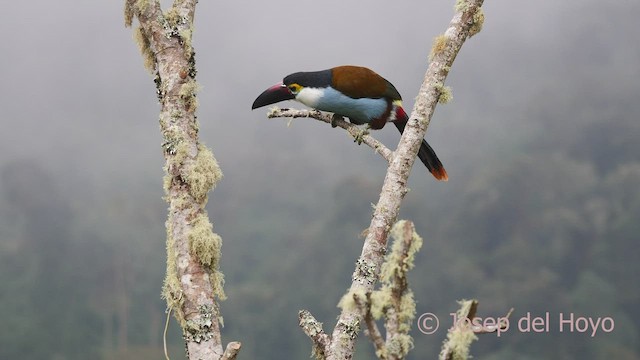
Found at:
[193, 282]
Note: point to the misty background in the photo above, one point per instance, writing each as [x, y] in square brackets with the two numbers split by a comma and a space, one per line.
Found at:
[540, 142]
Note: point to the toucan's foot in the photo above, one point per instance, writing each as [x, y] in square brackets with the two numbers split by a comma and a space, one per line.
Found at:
[359, 138]
[335, 118]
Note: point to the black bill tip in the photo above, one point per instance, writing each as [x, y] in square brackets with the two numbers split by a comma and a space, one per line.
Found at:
[272, 95]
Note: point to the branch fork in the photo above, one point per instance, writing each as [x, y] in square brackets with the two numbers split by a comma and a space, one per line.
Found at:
[466, 22]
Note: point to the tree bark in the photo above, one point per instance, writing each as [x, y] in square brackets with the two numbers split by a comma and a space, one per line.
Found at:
[466, 22]
[193, 284]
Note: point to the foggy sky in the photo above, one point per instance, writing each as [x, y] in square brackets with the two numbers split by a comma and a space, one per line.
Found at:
[75, 94]
[77, 100]
[76, 97]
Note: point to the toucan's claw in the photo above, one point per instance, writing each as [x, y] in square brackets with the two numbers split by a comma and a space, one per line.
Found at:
[359, 138]
[335, 118]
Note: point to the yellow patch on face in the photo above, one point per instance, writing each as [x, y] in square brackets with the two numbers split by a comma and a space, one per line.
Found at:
[294, 88]
[397, 103]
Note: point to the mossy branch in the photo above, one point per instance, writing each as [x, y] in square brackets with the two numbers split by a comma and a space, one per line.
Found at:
[372, 328]
[459, 338]
[394, 300]
[463, 333]
[336, 121]
[466, 22]
[193, 284]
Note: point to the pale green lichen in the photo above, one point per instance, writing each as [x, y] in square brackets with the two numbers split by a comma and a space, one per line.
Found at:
[399, 346]
[142, 5]
[170, 20]
[144, 45]
[171, 289]
[133, 8]
[446, 95]
[172, 16]
[167, 180]
[478, 16]
[176, 114]
[393, 278]
[186, 36]
[198, 328]
[202, 174]
[204, 244]
[129, 13]
[478, 21]
[462, 5]
[407, 311]
[380, 300]
[348, 302]
[179, 26]
[317, 353]
[187, 93]
[181, 151]
[459, 338]
[172, 137]
[396, 262]
[273, 111]
[439, 45]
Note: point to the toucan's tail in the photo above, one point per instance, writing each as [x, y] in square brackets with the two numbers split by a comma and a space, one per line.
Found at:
[426, 155]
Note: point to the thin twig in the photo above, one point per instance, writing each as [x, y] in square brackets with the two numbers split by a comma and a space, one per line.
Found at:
[164, 334]
[232, 350]
[503, 325]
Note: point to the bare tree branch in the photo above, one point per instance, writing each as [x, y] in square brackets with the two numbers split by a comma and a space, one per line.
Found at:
[502, 326]
[232, 350]
[353, 130]
[193, 283]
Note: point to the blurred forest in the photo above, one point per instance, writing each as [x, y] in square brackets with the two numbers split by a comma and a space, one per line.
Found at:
[541, 141]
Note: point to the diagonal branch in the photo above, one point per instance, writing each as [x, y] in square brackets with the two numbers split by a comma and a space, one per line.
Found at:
[338, 121]
[464, 331]
[459, 338]
[466, 22]
[313, 329]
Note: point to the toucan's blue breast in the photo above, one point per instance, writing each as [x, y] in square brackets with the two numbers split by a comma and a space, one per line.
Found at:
[359, 111]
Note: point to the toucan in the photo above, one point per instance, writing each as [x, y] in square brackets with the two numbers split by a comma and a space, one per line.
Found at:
[355, 92]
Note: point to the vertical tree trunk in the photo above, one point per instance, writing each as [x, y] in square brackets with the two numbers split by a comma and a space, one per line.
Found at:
[193, 283]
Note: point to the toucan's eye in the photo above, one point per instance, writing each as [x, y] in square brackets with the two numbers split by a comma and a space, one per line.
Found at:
[294, 88]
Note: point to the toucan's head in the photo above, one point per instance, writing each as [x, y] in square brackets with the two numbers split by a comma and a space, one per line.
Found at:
[297, 86]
